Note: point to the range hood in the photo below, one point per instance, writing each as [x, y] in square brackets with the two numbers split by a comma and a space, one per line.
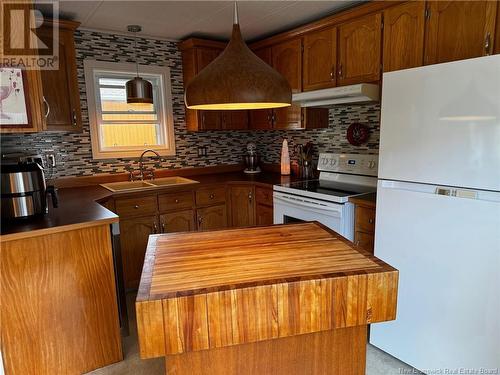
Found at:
[326, 98]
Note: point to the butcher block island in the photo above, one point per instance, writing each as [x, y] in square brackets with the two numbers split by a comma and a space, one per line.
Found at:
[283, 299]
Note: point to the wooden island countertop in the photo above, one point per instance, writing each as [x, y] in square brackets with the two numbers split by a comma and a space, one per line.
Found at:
[280, 299]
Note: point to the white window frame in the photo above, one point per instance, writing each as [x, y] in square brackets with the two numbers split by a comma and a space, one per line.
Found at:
[163, 104]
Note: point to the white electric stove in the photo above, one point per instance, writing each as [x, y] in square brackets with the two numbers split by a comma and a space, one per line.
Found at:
[326, 199]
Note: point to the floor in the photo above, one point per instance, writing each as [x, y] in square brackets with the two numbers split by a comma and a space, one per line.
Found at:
[377, 361]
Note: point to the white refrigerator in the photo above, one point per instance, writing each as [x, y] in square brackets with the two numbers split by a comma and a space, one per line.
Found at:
[438, 215]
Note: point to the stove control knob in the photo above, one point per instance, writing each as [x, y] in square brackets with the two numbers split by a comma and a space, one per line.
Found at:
[371, 164]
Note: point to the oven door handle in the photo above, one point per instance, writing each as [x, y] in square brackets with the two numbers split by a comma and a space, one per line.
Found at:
[306, 203]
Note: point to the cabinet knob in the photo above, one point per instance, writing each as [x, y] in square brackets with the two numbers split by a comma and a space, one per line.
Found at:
[212, 196]
[136, 206]
[200, 220]
[155, 228]
[340, 71]
[162, 227]
[332, 73]
[74, 118]
[176, 200]
[370, 221]
[250, 197]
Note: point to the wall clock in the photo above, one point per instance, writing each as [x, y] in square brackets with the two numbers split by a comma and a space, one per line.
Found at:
[357, 134]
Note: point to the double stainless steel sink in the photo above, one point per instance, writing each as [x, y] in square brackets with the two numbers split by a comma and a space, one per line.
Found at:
[150, 184]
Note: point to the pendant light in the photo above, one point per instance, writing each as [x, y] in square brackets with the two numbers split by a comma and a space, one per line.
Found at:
[139, 91]
[237, 79]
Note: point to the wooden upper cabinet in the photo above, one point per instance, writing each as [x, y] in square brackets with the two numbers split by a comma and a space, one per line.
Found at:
[359, 50]
[265, 55]
[404, 27]
[60, 87]
[458, 30]
[320, 59]
[235, 120]
[196, 55]
[496, 42]
[287, 59]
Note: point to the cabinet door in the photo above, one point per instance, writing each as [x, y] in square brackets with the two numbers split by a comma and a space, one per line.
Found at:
[288, 118]
[205, 56]
[320, 57]
[210, 120]
[404, 36]
[360, 50]
[242, 205]
[287, 59]
[213, 217]
[60, 87]
[496, 42]
[261, 119]
[32, 85]
[235, 120]
[180, 221]
[134, 235]
[264, 215]
[459, 30]
[265, 55]
[364, 240]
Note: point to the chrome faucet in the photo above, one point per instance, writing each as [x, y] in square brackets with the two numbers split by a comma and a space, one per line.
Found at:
[144, 173]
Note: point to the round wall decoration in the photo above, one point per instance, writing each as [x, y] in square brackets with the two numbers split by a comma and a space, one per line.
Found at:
[357, 134]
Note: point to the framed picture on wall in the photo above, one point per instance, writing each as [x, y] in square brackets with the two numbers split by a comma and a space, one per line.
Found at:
[14, 98]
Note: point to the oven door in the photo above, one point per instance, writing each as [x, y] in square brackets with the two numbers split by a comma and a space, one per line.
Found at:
[289, 208]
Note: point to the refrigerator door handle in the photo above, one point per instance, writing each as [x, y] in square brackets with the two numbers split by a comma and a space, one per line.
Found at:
[458, 193]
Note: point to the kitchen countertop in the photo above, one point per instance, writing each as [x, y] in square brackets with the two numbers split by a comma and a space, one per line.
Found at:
[79, 207]
[366, 200]
[280, 267]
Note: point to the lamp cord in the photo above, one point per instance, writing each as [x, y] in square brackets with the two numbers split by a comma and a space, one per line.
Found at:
[136, 56]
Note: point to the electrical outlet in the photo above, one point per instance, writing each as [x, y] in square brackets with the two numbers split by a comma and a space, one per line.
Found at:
[202, 151]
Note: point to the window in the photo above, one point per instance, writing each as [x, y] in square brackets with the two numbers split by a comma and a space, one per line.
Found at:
[118, 129]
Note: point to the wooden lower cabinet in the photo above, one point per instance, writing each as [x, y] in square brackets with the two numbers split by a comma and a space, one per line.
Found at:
[178, 221]
[134, 235]
[242, 203]
[59, 308]
[365, 240]
[213, 217]
[364, 227]
[263, 215]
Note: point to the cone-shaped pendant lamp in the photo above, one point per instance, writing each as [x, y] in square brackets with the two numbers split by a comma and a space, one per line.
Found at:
[139, 91]
[237, 79]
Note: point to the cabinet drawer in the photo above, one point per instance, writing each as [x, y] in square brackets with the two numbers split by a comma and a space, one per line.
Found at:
[365, 219]
[136, 206]
[213, 195]
[264, 196]
[174, 201]
[364, 240]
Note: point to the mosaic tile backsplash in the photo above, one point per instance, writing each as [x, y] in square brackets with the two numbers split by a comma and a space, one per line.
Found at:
[73, 150]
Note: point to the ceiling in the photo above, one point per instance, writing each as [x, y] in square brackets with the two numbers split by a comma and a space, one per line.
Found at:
[178, 20]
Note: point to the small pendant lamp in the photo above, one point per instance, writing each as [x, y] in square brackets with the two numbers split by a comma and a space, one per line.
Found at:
[237, 79]
[138, 90]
